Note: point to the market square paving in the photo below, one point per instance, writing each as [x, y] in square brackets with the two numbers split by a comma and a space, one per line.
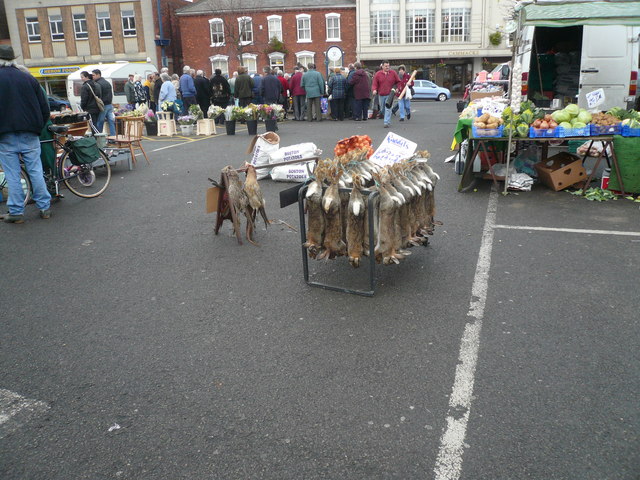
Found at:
[138, 345]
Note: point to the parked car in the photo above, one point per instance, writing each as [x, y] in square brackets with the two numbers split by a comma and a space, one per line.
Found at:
[57, 103]
[425, 89]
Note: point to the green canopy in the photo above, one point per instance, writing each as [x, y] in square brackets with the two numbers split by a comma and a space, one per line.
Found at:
[564, 13]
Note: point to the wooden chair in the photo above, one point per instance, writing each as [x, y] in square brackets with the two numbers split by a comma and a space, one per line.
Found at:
[131, 137]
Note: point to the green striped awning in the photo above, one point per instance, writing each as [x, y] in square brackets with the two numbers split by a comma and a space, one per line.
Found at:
[563, 13]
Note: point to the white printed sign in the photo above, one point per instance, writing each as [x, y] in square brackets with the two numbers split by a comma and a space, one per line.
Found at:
[494, 109]
[595, 98]
[393, 148]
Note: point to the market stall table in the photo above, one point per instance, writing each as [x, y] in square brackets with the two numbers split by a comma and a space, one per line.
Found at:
[491, 147]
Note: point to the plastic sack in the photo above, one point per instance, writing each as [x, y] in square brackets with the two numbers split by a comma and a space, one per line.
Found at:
[299, 151]
[324, 105]
[297, 172]
[525, 161]
[261, 147]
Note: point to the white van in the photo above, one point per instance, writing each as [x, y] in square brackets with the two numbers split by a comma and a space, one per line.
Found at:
[117, 74]
[570, 62]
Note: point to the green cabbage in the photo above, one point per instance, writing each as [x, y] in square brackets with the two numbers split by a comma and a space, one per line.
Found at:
[566, 125]
[584, 116]
[572, 109]
[523, 130]
[561, 116]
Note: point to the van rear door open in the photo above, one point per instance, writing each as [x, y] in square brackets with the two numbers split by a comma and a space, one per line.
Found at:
[609, 55]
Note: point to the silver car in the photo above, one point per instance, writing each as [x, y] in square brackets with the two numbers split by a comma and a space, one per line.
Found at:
[425, 89]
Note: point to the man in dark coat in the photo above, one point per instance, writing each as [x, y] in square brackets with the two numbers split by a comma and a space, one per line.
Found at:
[270, 88]
[25, 111]
[157, 85]
[88, 93]
[203, 92]
[107, 97]
[243, 89]
[220, 92]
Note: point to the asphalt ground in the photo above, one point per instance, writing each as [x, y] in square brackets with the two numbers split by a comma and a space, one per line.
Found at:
[138, 345]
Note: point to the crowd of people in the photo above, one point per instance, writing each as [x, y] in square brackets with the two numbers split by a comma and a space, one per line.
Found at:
[350, 94]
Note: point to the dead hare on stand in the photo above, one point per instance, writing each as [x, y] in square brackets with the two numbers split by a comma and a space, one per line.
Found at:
[240, 202]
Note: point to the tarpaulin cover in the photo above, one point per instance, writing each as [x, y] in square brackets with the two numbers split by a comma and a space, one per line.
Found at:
[563, 13]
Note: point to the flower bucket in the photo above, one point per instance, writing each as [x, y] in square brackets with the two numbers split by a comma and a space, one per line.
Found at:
[230, 125]
[252, 127]
[187, 129]
[271, 125]
[152, 128]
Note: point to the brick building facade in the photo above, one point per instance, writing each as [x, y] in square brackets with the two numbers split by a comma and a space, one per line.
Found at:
[305, 33]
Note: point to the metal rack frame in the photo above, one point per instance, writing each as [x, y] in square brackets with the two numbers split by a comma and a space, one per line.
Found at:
[372, 259]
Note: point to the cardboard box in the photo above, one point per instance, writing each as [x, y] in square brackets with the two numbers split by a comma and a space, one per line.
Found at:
[561, 171]
[477, 95]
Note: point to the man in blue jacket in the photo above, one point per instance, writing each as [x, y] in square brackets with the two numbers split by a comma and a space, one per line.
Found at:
[313, 83]
[25, 111]
[188, 90]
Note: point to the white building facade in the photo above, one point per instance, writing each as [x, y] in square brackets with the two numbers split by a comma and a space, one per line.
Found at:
[447, 41]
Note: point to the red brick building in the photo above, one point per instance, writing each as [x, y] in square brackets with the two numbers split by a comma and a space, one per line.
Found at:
[218, 33]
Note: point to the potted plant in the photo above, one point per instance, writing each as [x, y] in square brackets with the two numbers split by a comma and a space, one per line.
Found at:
[187, 123]
[231, 116]
[271, 114]
[151, 123]
[251, 114]
[196, 111]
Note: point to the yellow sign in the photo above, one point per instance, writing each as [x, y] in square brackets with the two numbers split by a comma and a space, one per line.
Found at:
[56, 71]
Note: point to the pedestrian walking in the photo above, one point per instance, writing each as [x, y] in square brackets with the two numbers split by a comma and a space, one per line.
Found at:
[107, 97]
[25, 113]
[129, 91]
[88, 94]
[404, 103]
[385, 83]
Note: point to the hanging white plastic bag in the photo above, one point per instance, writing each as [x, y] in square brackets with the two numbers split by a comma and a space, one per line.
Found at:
[261, 147]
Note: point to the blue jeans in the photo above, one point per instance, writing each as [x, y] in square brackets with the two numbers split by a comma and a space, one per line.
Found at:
[12, 145]
[107, 114]
[384, 110]
[404, 105]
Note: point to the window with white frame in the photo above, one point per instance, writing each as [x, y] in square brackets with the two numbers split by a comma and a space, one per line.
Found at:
[304, 27]
[305, 58]
[275, 26]
[104, 24]
[245, 28]
[276, 60]
[221, 62]
[80, 26]
[216, 30]
[456, 24]
[33, 29]
[420, 26]
[128, 23]
[333, 26]
[250, 62]
[385, 27]
[55, 25]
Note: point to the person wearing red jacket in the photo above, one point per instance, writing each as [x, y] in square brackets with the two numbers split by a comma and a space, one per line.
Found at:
[404, 103]
[285, 91]
[298, 93]
[385, 83]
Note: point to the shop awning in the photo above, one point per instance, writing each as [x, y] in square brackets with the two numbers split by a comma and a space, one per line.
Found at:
[563, 13]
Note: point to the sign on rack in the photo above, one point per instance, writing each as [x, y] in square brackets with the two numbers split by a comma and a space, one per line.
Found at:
[393, 149]
[494, 109]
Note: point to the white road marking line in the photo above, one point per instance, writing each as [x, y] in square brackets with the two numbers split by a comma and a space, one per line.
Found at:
[570, 230]
[16, 410]
[168, 146]
[449, 461]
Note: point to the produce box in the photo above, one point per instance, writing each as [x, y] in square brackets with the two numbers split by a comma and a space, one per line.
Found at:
[477, 95]
[627, 131]
[605, 129]
[574, 132]
[561, 171]
[544, 132]
[487, 132]
[628, 156]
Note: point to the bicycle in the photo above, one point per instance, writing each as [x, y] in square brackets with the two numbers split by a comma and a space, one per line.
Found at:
[86, 180]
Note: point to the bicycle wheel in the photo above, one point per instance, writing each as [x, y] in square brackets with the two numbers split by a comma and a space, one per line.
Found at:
[87, 180]
[24, 180]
